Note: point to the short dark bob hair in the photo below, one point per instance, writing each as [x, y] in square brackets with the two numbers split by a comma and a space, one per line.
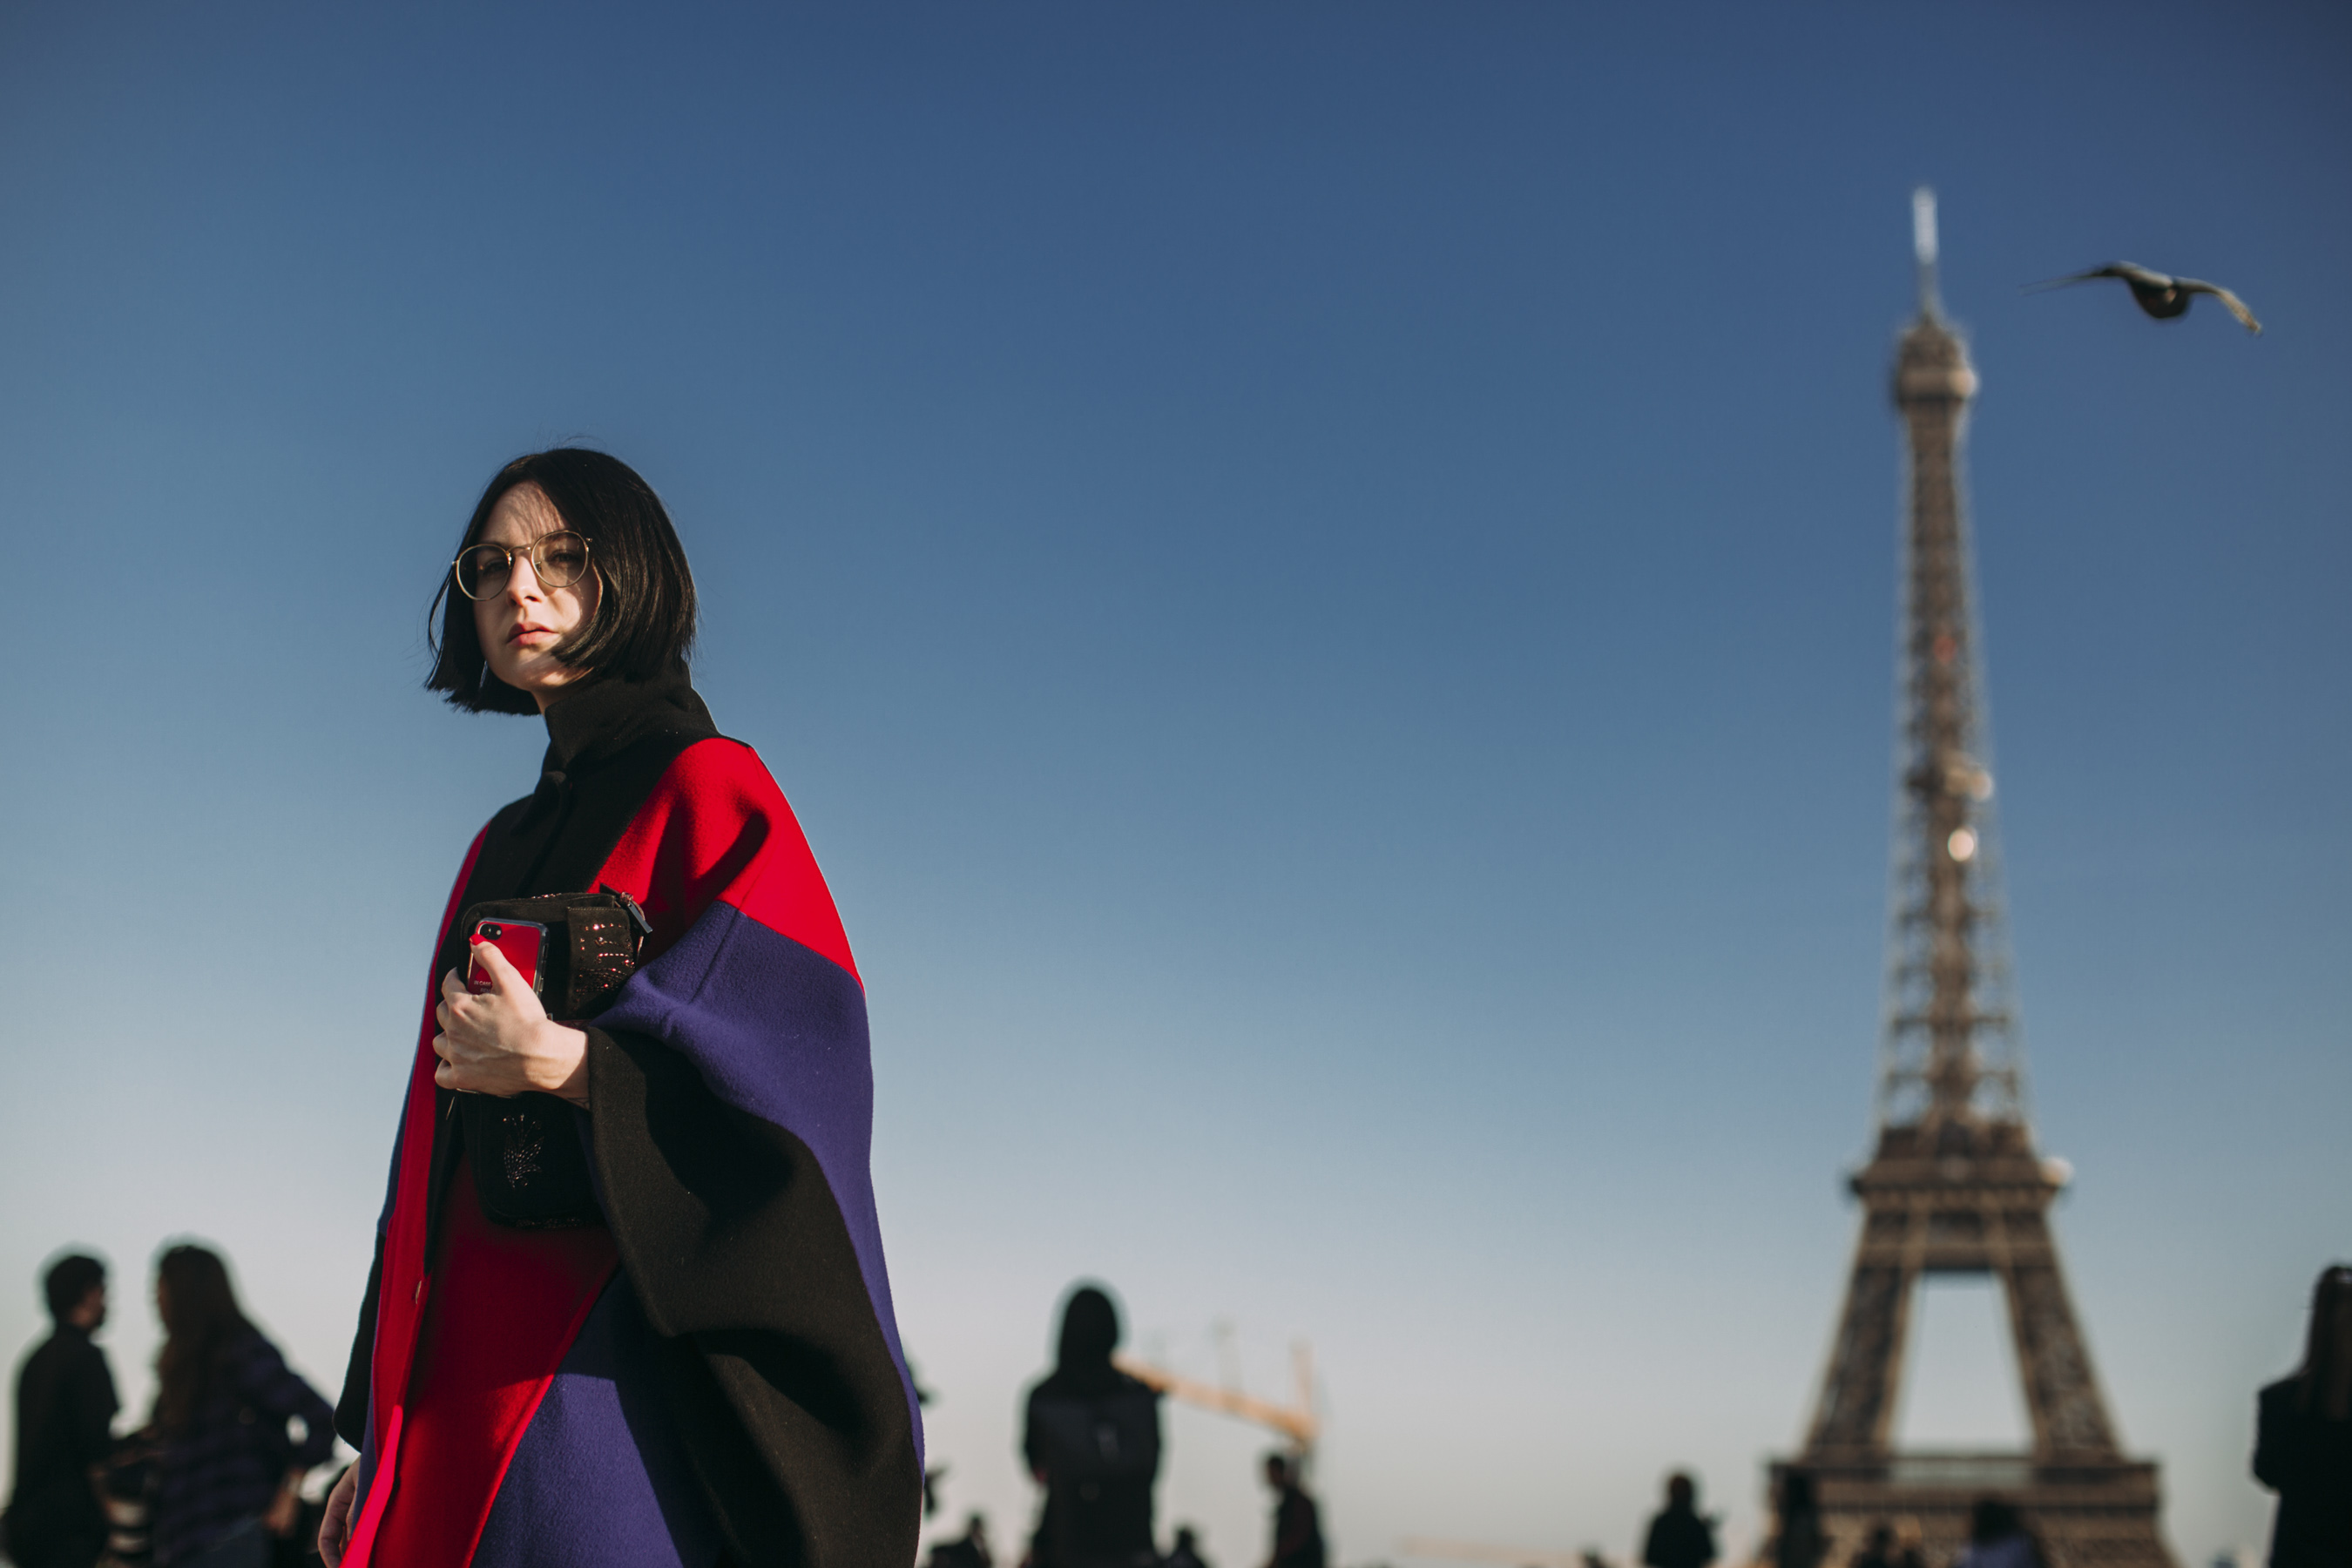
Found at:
[70, 1281]
[644, 625]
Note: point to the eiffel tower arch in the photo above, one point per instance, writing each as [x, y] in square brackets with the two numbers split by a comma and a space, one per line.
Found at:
[1956, 1185]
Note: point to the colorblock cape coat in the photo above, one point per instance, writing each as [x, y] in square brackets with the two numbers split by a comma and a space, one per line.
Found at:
[713, 1372]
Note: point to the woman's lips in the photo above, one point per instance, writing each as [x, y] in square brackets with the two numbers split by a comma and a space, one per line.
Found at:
[528, 630]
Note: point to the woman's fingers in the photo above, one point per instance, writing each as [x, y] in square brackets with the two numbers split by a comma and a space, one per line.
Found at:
[507, 983]
[505, 980]
[491, 962]
[334, 1523]
[485, 1035]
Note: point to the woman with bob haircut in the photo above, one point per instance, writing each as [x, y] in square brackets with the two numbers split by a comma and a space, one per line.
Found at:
[629, 1303]
[2303, 1436]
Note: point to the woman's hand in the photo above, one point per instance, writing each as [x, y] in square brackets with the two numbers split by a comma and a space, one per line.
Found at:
[502, 1042]
[335, 1524]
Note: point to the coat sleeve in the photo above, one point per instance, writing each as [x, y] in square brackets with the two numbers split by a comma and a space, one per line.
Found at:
[733, 1106]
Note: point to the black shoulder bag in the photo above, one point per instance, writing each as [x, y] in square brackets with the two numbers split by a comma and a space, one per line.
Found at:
[529, 1161]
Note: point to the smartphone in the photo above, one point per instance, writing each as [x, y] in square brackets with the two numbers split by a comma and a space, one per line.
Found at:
[520, 941]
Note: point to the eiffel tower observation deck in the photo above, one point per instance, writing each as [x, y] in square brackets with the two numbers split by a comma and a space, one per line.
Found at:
[1956, 1185]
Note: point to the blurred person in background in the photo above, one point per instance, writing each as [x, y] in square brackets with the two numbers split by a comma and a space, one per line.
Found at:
[629, 1303]
[1678, 1537]
[2303, 1436]
[1998, 1538]
[1297, 1523]
[64, 1427]
[969, 1549]
[1092, 1440]
[1186, 1553]
[1799, 1543]
[227, 1464]
[1891, 1546]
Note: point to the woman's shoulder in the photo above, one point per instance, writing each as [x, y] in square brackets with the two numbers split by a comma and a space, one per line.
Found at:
[2284, 1395]
[712, 800]
[1089, 1388]
[251, 1359]
[716, 827]
[722, 766]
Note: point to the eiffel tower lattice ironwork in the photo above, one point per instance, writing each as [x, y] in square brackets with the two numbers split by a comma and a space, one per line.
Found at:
[1956, 1185]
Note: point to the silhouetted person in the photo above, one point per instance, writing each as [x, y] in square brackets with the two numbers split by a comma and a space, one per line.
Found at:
[1092, 1440]
[225, 1464]
[1998, 1538]
[1678, 1537]
[1881, 1550]
[1799, 1543]
[2303, 1436]
[1297, 1524]
[1186, 1553]
[968, 1551]
[64, 1427]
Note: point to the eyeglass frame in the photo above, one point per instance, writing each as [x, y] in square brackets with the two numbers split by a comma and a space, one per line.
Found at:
[530, 552]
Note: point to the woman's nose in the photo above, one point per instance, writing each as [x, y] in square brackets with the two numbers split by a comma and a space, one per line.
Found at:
[517, 576]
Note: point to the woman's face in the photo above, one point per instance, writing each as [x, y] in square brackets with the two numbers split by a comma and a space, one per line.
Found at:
[519, 625]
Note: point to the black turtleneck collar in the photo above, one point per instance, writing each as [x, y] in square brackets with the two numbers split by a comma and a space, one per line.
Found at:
[604, 717]
[608, 743]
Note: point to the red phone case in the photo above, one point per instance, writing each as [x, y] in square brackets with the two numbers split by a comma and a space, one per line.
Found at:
[518, 940]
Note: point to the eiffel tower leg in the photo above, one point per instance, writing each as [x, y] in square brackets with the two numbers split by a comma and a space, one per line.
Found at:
[1857, 1406]
[2062, 1392]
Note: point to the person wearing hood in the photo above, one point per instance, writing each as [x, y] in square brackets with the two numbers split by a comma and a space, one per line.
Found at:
[1092, 1441]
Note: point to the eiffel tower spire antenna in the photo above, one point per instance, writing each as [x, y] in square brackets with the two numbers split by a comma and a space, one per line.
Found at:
[1923, 246]
[1956, 1185]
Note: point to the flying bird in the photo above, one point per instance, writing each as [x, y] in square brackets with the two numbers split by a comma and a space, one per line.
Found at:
[2161, 297]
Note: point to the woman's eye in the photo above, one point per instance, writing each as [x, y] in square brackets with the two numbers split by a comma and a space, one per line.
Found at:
[564, 563]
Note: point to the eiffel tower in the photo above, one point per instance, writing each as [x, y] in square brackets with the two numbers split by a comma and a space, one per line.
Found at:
[1955, 1185]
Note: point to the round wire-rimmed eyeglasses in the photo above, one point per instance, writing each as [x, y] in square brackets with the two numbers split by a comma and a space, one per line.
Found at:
[558, 560]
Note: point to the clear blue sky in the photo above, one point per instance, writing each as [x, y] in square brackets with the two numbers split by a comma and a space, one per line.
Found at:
[1322, 580]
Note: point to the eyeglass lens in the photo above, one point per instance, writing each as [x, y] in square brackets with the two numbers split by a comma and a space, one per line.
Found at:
[557, 560]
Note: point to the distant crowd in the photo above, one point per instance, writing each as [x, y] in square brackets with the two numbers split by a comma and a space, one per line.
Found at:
[1679, 1537]
[215, 1477]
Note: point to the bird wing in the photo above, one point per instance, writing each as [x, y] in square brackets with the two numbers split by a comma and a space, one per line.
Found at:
[2129, 272]
[2236, 306]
